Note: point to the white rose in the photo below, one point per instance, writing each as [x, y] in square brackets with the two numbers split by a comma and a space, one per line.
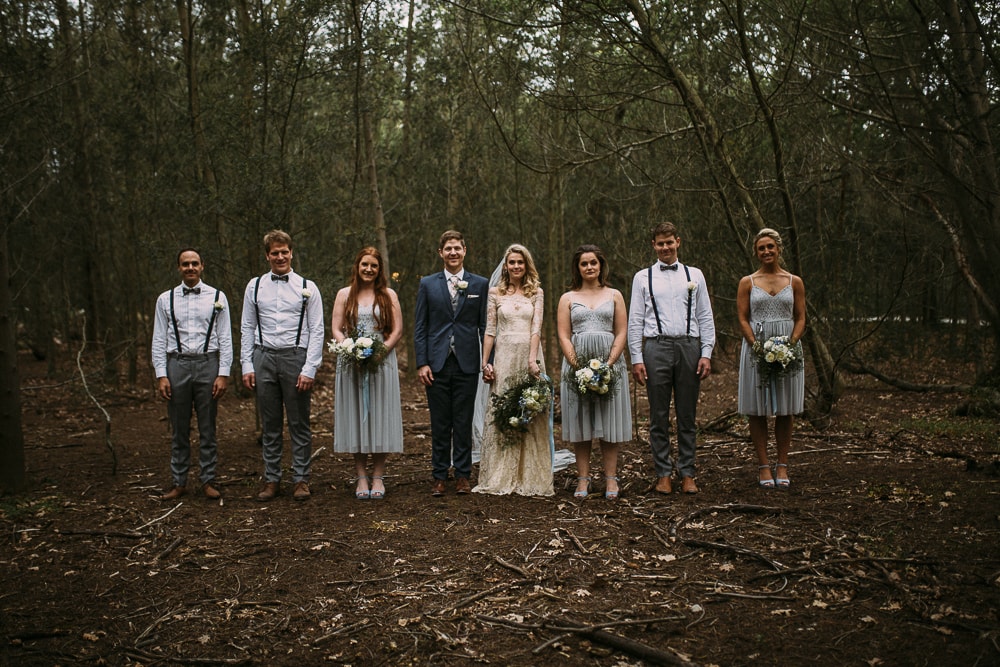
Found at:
[514, 421]
[770, 357]
[692, 286]
[306, 293]
[595, 364]
[365, 341]
[461, 284]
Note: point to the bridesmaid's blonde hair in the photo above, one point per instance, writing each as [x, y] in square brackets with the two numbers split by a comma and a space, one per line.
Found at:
[531, 283]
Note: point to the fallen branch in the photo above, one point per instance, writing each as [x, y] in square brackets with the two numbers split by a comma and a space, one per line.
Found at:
[576, 541]
[153, 658]
[510, 566]
[86, 388]
[634, 648]
[166, 552]
[839, 561]
[150, 523]
[345, 630]
[720, 546]
[478, 596]
[101, 533]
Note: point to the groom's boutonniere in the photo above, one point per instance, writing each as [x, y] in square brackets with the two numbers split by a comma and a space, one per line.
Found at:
[306, 293]
[692, 286]
[218, 305]
[461, 285]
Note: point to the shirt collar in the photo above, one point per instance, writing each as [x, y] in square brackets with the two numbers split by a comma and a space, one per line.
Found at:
[459, 275]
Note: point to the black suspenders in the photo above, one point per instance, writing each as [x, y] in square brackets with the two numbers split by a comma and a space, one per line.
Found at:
[211, 322]
[256, 309]
[652, 300]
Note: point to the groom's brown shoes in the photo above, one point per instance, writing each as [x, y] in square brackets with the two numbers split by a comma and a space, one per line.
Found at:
[438, 488]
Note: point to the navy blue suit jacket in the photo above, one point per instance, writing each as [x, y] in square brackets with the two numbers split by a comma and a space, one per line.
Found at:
[436, 322]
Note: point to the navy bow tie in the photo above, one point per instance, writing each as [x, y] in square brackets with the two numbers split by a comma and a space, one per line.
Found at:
[282, 278]
[192, 290]
[668, 267]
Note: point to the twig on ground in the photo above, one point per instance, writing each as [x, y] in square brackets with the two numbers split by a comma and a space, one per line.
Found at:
[576, 541]
[101, 533]
[510, 566]
[478, 596]
[166, 552]
[150, 523]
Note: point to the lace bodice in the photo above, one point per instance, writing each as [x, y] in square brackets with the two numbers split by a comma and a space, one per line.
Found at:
[514, 314]
[765, 307]
[366, 320]
[592, 320]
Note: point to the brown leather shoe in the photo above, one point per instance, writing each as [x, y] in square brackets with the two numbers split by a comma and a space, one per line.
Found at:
[663, 486]
[301, 491]
[174, 493]
[438, 488]
[210, 491]
[462, 485]
[269, 491]
[688, 485]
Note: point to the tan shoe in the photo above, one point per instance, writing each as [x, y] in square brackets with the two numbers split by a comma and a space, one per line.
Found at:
[438, 488]
[269, 491]
[301, 491]
[462, 485]
[688, 485]
[663, 486]
[174, 493]
[210, 491]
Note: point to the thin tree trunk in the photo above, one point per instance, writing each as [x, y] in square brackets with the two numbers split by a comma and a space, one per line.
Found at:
[12, 477]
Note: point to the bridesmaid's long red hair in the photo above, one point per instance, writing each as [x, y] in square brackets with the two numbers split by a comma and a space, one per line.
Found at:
[383, 304]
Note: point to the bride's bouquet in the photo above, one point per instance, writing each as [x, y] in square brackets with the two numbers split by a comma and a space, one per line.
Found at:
[524, 398]
[776, 357]
[595, 378]
[362, 350]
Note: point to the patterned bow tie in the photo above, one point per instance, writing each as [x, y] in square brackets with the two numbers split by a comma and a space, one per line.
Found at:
[282, 278]
[192, 290]
[668, 267]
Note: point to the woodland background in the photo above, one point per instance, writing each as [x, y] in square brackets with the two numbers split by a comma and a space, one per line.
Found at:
[864, 131]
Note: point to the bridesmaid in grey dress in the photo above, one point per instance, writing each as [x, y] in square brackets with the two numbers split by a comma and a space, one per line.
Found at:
[367, 412]
[593, 324]
[770, 302]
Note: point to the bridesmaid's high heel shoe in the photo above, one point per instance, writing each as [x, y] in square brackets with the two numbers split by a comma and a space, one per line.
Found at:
[611, 495]
[358, 493]
[782, 483]
[585, 491]
[765, 483]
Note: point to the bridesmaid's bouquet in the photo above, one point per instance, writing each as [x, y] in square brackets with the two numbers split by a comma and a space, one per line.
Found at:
[595, 378]
[524, 398]
[775, 357]
[362, 350]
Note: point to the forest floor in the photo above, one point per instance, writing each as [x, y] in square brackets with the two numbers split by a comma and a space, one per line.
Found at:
[883, 552]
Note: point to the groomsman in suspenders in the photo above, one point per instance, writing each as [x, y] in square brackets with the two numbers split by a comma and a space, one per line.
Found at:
[192, 351]
[281, 348]
[671, 334]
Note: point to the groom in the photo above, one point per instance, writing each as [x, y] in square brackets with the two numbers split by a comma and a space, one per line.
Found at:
[448, 334]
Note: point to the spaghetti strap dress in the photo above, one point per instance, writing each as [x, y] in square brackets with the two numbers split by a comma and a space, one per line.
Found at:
[772, 315]
[368, 418]
[608, 418]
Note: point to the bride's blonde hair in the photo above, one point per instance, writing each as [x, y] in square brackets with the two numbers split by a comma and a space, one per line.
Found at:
[531, 283]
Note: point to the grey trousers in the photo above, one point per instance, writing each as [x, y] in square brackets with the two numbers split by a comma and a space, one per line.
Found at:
[191, 379]
[277, 371]
[672, 371]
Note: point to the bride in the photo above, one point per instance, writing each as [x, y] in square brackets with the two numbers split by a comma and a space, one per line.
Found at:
[513, 336]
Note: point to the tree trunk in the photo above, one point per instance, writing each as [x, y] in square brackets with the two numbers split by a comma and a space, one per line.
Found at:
[12, 476]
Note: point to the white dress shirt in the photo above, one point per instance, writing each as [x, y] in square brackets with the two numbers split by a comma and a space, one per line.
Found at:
[193, 313]
[279, 305]
[671, 290]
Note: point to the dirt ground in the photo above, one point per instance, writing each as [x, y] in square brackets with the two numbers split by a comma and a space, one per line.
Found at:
[882, 553]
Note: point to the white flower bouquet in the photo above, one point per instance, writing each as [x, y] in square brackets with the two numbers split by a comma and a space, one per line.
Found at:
[362, 350]
[776, 356]
[595, 378]
[523, 399]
